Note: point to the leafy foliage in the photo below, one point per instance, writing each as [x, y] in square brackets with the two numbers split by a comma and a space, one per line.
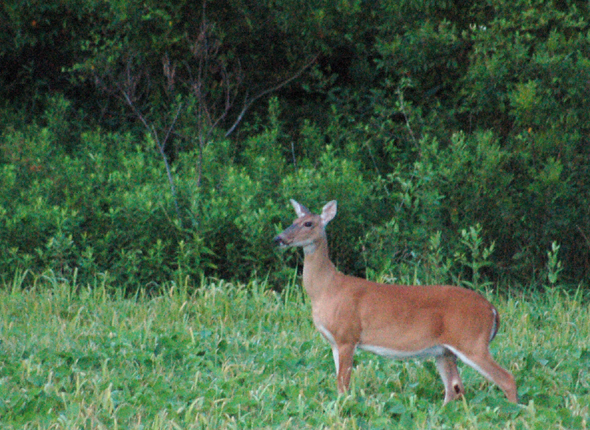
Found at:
[74, 356]
[136, 139]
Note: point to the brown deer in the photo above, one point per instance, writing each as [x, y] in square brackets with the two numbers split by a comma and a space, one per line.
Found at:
[394, 321]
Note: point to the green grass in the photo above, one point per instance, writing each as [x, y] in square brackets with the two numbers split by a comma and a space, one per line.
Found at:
[242, 356]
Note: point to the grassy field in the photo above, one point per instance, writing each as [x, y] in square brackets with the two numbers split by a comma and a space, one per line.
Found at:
[242, 356]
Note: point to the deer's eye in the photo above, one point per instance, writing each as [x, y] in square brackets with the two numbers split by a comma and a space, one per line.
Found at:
[308, 224]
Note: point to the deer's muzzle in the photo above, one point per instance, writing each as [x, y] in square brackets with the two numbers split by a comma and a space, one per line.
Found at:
[279, 241]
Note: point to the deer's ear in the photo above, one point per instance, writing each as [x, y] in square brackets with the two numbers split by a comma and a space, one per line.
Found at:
[329, 212]
[300, 209]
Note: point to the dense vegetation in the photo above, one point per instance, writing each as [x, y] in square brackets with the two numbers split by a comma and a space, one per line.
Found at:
[242, 356]
[146, 141]
[147, 154]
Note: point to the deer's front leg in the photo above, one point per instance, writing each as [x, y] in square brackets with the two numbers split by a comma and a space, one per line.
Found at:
[344, 368]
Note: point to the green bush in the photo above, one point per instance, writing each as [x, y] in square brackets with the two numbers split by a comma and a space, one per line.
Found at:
[108, 209]
[441, 129]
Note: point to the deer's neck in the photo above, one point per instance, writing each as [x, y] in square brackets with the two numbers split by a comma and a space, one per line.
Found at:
[318, 270]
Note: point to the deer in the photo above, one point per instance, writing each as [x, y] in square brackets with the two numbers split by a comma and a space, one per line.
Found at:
[394, 321]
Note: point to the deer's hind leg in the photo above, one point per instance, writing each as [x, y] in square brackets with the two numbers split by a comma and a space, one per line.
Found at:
[482, 361]
[447, 367]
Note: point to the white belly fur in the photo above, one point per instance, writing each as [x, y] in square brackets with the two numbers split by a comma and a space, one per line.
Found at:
[383, 351]
[402, 355]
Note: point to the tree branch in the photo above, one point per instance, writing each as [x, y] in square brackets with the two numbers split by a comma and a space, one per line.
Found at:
[160, 144]
[248, 103]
